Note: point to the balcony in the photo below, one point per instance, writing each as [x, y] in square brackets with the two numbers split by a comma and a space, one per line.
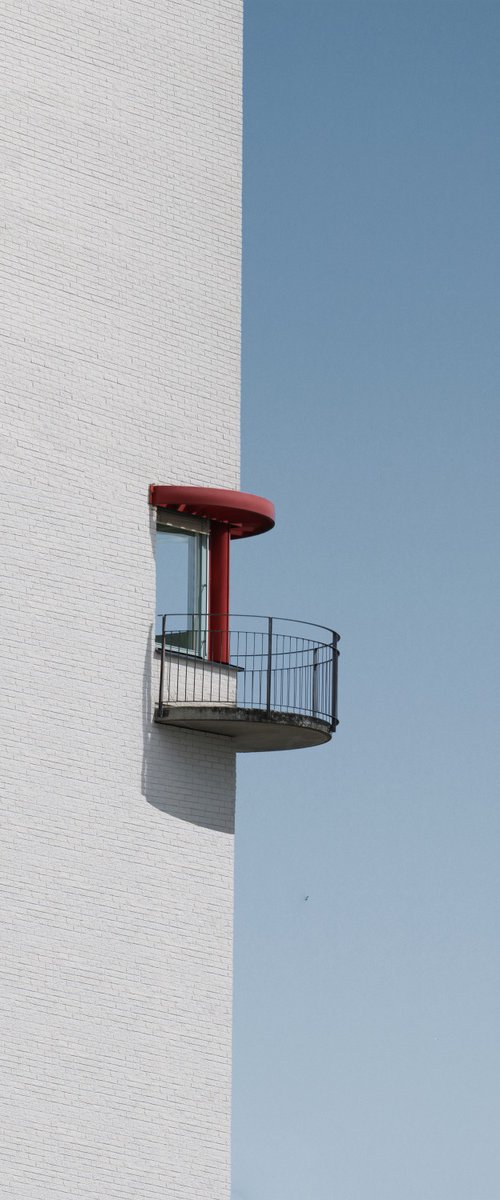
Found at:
[267, 683]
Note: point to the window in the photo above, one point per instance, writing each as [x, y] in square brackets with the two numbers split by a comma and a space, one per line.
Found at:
[181, 580]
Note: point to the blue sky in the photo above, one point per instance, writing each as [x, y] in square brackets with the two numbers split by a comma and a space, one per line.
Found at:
[367, 1018]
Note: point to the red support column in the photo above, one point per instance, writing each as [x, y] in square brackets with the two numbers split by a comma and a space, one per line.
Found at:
[218, 594]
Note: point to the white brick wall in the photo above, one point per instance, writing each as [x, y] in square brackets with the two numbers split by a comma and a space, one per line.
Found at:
[121, 133]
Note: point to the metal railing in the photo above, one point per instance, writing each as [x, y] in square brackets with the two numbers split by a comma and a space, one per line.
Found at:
[275, 665]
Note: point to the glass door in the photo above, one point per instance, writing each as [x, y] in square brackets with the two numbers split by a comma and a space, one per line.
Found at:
[181, 588]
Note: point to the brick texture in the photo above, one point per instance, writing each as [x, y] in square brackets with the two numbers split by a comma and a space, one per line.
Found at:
[121, 151]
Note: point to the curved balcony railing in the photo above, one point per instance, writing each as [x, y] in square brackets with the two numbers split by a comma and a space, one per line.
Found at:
[272, 665]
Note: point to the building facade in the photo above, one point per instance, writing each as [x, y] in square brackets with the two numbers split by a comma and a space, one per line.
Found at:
[121, 133]
[127, 686]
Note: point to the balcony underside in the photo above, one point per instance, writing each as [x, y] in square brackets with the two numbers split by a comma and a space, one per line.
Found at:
[250, 729]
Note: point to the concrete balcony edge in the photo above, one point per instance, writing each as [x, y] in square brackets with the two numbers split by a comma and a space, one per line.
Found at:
[250, 729]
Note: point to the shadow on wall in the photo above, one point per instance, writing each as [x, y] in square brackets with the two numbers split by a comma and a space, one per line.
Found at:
[191, 776]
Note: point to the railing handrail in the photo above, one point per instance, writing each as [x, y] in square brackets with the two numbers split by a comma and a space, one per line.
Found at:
[254, 617]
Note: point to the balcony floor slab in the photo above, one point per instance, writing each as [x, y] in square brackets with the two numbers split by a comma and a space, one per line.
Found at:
[251, 730]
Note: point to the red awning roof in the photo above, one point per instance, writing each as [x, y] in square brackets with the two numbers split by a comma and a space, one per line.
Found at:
[244, 513]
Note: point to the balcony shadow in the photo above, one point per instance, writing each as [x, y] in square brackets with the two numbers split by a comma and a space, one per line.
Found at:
[190, 776]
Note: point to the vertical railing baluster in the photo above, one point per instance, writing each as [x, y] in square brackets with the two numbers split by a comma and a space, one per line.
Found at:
[162, 664]
[269, 661]
[315, 682]
[335, 661]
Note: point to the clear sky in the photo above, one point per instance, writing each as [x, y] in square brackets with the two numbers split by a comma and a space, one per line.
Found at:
[367, 1018]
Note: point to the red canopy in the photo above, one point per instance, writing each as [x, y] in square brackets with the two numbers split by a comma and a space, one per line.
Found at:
[245, 514]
